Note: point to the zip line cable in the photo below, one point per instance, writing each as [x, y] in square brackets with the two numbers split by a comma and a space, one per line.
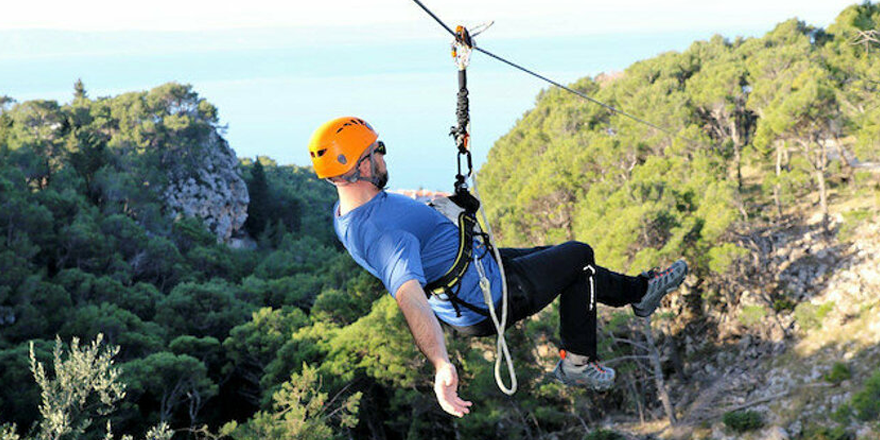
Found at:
[568, 89]
[581, 94]
[425, 8]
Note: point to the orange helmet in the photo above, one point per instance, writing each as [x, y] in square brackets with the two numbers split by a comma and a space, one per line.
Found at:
[336, 146]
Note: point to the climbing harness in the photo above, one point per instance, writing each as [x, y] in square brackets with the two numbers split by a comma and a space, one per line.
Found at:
[462, 208]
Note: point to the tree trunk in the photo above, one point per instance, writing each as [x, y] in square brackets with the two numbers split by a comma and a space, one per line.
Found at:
[823, 197]
[776, 187]
[844, 158]
[737, 158]
[820, 166]
[195, 405]
[737, 151]
[658, 373]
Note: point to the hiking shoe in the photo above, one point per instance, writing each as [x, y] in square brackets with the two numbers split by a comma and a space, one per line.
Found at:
[659, 284]
[592, 374]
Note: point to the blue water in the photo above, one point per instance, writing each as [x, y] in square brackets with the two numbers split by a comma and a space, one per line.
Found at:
[273, 88]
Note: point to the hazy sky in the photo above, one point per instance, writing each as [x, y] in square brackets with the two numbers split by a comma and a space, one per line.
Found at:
[514, 17]
[277, 70]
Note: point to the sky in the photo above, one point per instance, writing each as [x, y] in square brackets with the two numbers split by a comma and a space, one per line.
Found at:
[278, 70]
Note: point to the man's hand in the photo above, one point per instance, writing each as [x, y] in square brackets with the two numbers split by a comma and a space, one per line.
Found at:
[429, 337]
[446, 389]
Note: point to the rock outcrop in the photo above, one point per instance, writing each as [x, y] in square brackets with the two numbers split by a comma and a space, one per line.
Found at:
[779, 367]
[210, 187]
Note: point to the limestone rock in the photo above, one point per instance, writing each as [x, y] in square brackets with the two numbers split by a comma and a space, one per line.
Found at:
[211, 188]
[775, 433]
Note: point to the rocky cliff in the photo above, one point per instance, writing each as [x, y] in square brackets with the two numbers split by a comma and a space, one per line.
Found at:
[210, 187]
[797, 361]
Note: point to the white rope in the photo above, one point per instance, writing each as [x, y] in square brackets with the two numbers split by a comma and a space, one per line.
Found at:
[501, 351]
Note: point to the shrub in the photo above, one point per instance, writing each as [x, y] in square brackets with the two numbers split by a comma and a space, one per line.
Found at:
[752, 315]
[809, 316]
[866, 402]
[839, 373]
[851, 221]
[805, 316]
[825, 433]
[604, 434]
[783, 304]
[842, 414]
[742, 421]
[824, 309]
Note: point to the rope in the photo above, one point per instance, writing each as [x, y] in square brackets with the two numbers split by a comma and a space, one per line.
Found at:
[502, 352]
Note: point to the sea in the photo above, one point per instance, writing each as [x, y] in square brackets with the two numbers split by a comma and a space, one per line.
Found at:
[273, 87]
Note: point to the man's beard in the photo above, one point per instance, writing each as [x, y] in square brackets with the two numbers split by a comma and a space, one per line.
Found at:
[381, 180]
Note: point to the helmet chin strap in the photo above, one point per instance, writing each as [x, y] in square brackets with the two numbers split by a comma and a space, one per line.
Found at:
[377, 181]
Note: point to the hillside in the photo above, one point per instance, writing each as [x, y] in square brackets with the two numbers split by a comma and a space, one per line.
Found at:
[767, 189]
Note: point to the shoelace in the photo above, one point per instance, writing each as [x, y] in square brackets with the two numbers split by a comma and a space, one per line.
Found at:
[656, 276]
[596, 366]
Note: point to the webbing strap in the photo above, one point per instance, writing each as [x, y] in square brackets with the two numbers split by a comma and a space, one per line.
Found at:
[466, 224]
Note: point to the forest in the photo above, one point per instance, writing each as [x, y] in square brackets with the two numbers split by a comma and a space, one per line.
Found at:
[123, 316]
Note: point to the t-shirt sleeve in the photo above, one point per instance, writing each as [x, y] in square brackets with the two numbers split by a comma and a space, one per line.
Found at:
[397, 258]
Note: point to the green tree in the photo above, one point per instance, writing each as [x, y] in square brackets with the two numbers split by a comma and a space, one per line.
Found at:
[84, 383]
[301, 411]
[79, 90]
[36, 140]
[209, 309]
[252, 346]
[5, 122]
[807, 115]
[38, 308]
[852, 59]
[173, 380]
[259, 208]
[120, 327]
[720, 91]
[20, 395]
[773, 63]
[158, 262]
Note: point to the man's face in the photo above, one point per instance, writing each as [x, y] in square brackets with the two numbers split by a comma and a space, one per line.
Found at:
[381, 166]
[366, 163]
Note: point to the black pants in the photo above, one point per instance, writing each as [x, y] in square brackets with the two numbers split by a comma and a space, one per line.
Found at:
[535, 276]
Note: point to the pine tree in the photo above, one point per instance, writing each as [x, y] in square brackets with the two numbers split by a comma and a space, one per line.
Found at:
[79, 90]
[258, 208]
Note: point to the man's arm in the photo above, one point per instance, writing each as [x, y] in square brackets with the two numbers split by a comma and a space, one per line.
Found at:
[426, 330]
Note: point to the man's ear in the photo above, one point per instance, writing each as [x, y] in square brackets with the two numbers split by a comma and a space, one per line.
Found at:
[366, 168]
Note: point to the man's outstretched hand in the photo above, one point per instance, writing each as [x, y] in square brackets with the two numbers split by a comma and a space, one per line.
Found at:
[446, 389]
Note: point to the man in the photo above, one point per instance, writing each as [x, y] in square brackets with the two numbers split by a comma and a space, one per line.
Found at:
[407, 244]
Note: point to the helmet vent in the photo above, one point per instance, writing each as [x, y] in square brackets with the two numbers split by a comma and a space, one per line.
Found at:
[341, 158]
[353, 121]
[319, 153]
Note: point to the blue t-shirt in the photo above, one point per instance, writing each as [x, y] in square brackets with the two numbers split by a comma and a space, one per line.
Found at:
[398, 239]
